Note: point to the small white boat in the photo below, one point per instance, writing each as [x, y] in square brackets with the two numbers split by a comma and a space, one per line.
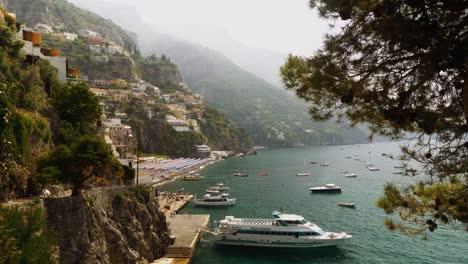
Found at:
[344, 171]
[330, 187]
[397, 172]
[346, 204]
[351, 175]
[368, 164]
[222, 187]
[282, 231]
[219, 187]
[240, 174]
[220, 200]
[373, 168]
[212, 191]
[303, 174]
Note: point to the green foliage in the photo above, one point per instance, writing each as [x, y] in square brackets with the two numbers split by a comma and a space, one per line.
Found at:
[157, 136]
[88, 157]
[129, 175]
[161, 73]
[78, 110]
[221, 133]
[10, 54]
[25, 238]
[391, 66]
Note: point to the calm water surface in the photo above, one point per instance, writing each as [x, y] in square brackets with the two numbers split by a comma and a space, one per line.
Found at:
[371, 242]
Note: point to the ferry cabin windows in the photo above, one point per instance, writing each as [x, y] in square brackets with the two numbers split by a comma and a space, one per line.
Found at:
[277, 233]
[291, 222]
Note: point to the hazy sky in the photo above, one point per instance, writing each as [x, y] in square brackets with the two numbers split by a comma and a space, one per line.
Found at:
[278, 25]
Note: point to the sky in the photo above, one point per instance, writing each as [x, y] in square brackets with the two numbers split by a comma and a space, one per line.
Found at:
[286, 26]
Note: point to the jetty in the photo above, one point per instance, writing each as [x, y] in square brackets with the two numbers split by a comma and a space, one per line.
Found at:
[187, 230]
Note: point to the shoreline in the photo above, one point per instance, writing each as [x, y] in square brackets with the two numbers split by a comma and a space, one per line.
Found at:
[179, 175]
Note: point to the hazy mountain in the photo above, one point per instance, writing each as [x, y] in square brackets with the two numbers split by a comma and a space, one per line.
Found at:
[261, 62]
[270, 115]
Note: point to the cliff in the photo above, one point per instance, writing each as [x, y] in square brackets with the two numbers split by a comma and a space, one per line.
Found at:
[160, 72]
[111, 226]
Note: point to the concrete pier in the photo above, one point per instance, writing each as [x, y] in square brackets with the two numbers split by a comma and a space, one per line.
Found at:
[188, 230]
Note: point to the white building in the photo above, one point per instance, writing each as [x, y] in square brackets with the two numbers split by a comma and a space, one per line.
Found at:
[70, 36]
[115, 50]
[89, 33]
[43, 28]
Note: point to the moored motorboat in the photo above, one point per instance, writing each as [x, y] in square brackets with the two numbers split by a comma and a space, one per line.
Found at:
[330, 187]
[302, 174]
[284, 230]
[262, 174]
[325, 164]
[209, 190]
[218, 200]
[344, 171]
[220, 187]
[351, 175]
[373, 168]
[240, 174]
[346, 204]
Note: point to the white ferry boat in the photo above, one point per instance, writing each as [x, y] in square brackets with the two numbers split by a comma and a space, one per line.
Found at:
[330, 187]
[219, 200]
[284, 230]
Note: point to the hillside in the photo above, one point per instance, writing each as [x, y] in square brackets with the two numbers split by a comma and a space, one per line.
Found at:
[73, 19]
[101, 61]
[268, 114]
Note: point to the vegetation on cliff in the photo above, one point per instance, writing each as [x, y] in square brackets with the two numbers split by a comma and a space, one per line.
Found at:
[37, 114]
[25, 237]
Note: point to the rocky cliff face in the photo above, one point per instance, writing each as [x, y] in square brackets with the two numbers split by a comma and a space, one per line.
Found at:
[109, 227]
[162, 74]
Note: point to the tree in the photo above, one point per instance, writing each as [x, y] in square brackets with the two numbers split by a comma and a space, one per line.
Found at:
[86, 158]
[78, 109]
[25, 238]
[400, 66]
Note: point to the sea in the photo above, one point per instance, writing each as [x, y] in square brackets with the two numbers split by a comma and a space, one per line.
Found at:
[372, 242]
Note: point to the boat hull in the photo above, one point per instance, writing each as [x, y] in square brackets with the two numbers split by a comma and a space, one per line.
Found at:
[222, 203]
[326, 191]
[300, 243]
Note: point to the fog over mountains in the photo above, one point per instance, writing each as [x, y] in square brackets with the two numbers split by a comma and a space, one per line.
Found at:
[262, 62]
[240, 81]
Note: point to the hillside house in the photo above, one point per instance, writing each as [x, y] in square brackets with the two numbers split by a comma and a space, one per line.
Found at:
[32, 48]
[95, 41]
[57, 36]
[203, 151]
[43, 28]
[115, 50]
[120, 83]
[120, 96]
[88, 33]
[70, 36]
[100, 83]
[101, 93]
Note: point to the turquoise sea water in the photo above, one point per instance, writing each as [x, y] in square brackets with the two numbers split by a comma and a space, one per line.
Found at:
[371, 243]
